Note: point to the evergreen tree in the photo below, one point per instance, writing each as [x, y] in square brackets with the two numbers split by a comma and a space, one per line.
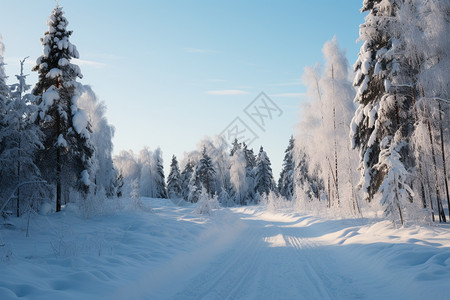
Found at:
[173, 180]
[395, 191]
[4, 90]
[384, 101]
[21, 139]
[236, 146]
[249, 157]
[159, 178]
[203, 176]
[185, 178]
[307, 181]
[286, 180]
[67, 150]
[118, 184]
[264, 182]
[250, 166]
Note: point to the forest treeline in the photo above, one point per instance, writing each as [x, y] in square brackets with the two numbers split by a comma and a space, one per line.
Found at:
[369, 139]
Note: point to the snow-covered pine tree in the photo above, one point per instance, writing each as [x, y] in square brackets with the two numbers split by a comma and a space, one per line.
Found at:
[307, 184]
[185, 179]
[250, 165]
[4, 90]
[383, 93]
[205, 171]
[286, 180]
[235, 146]
[67, 150]
[395, 189]
[118, 184]
[264, 182]
[4, 100]
[158, 175]
[225, 199]
[21, 139]
[203, 176]
[173, 180]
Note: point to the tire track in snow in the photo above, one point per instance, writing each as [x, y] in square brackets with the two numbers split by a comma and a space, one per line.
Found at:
[224, 277]
[261, 266]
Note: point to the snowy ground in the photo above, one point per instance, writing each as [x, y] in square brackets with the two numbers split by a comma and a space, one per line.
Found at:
[236, 253]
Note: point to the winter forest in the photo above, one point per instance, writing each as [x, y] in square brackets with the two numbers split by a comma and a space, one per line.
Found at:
[371, 147]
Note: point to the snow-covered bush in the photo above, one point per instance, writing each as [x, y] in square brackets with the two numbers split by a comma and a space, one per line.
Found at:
[206, 203]
[273, 202]
[93, 204]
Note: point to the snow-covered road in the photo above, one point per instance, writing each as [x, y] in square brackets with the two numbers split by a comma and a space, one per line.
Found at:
[234, 253]
[251, 253]
[270, 259]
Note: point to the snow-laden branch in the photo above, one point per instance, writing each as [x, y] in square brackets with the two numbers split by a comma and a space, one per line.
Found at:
[15, 189]
[439, 99]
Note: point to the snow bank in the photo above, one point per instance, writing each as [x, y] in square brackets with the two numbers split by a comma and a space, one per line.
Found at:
[70, 257]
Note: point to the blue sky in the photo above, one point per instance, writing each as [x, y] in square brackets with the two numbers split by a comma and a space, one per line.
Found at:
[172, 72]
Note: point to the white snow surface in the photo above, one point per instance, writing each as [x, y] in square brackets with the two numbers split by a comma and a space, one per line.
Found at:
[54, 73]
[80, 121]
[251, 252]
[61, 142]
[49, 97]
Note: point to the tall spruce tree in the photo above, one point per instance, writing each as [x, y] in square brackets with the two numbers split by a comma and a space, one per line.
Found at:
[173, 180]
[185, 178]
[158, 175]
[236, 146]
[250, 166]
[203, 176]
[385, 104]
[307, 181]
[21, 139]
[67, 151]
[286, 180]
[4, 90]
[264, 182]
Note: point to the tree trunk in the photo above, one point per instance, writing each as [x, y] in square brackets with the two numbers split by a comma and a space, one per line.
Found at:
[18, 188]
[335, 142]
[58, 165]
[443, 157]
[329, 192]
[416, 118]
[431, 199]
[427, 177]
[438, 194]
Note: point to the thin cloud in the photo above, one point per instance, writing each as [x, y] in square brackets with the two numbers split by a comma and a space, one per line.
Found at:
[90, 63]
[198, 50]
[227, 92]
[32, 62]
[289, 95]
